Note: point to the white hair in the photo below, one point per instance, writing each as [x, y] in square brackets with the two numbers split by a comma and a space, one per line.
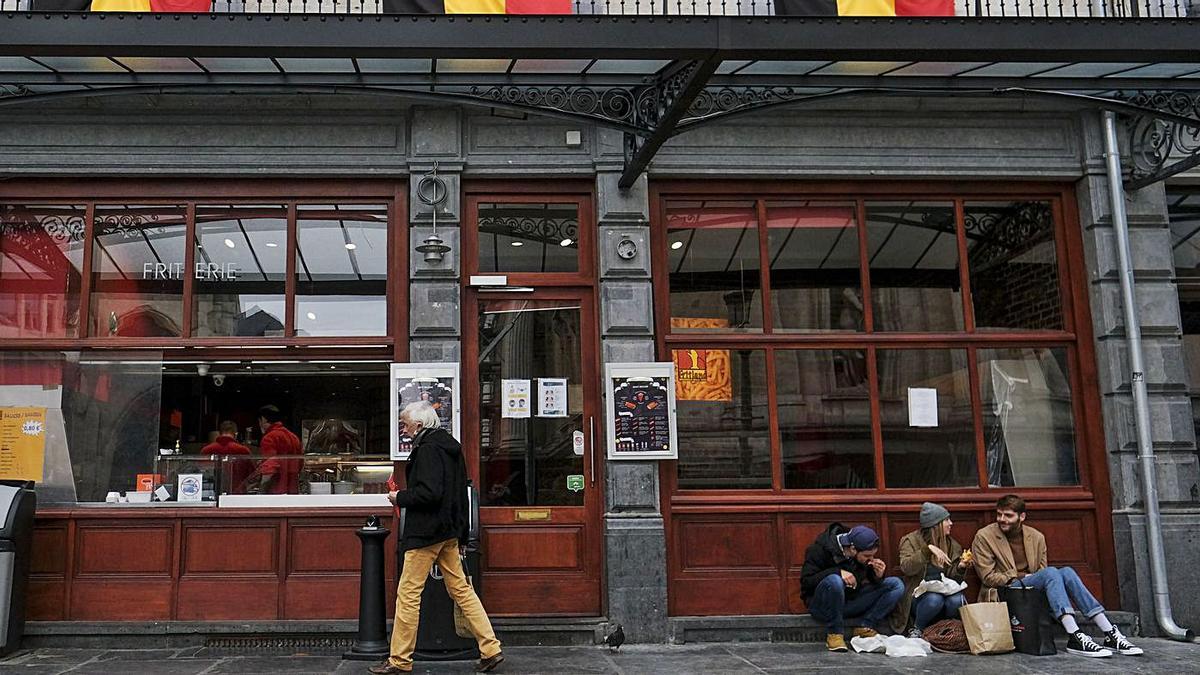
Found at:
[420, 412]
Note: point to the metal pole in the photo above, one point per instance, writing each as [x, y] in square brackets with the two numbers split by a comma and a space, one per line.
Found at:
[1141, 405]
[371, 643]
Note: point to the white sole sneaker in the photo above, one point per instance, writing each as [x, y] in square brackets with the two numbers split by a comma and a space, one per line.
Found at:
[1136, 651]
[1102, 654]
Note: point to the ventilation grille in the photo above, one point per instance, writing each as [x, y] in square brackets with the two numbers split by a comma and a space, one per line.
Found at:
[280, 645]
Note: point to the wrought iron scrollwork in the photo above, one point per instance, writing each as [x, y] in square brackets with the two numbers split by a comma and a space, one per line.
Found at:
[1002, 233]
[1162, 145]
[719, 101]
[13, 90]
[541, 229]
[622, 105]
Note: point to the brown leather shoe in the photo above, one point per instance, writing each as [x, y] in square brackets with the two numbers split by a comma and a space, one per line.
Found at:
[386, 668]
[489, 664]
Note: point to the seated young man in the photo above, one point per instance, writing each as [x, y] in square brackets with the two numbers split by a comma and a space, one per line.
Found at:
[842, 579]
[1009, 553]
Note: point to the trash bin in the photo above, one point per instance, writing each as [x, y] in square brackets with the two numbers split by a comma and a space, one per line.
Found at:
[436, 639]
[17, 504]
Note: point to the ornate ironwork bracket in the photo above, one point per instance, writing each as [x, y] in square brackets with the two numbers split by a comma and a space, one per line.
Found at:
[621, 107]
[1165, 139]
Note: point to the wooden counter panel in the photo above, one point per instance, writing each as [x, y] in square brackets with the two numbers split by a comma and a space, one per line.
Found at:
[126, 548]
[49, 555]
[228, 599]
[323, 548]
[322, 597]
[229, 549]
[533, 548]
[46, 600]
[130, 599]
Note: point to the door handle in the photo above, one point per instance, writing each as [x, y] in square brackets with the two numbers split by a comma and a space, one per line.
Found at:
[592, 448]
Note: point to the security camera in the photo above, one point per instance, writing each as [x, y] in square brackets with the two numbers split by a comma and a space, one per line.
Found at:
[218, 380]
[202, 369]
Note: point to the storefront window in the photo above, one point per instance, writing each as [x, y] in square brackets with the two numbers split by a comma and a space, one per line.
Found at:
[723, 419]
[912, 247]
[1013, 265]
[528, 237]
[41, 268]
[713, 264]
[341, 270]
[824, 405]
[240, 270]
[1028, 421]
[1183, 209]
[925, 416]
[138, 270]
[812, 250]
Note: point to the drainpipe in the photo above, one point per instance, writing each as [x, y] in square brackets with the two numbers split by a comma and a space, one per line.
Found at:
[1141, 405]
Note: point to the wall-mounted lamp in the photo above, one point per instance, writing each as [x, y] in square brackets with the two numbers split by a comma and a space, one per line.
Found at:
[432, 191]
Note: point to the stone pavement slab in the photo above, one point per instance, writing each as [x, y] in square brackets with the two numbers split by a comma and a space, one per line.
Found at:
[733, 658]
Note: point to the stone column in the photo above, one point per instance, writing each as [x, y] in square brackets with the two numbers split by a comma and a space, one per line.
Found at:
[635, 541]
[434, 288]
[1166, 378]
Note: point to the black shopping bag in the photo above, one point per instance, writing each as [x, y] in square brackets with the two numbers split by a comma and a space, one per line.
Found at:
[1029, 616]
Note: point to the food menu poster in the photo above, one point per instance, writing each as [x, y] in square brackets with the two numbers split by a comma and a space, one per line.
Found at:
[437, 391]
[641, 415]
[22, 443]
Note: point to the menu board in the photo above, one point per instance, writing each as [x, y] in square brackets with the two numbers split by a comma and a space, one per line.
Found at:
[22, 443]
[641, 411]
[436, 384]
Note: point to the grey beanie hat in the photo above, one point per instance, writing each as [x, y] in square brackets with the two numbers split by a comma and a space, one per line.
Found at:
[932, 514]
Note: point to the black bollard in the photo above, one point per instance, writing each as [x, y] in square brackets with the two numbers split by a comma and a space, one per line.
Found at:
[372, 643]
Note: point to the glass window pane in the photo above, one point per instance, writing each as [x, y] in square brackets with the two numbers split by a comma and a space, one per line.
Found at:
[928, 437]
[713, 263]
[1014, 269]
[913, 252]
[813, 252]
[241, 268]
[1028, 421]
[41, 268]
[137, 270]
[341, 270]
[724, 437]
[1183, 209]
[528, 238]
[824, 419]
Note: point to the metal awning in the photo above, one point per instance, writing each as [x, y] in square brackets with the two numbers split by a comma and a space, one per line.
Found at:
[651, 77]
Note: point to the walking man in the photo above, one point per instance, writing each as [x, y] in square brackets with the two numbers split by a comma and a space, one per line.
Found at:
[842, 579]
[435, 504]
[1010, 553]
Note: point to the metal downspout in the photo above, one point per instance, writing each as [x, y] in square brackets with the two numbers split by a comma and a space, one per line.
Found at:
[1141, 405]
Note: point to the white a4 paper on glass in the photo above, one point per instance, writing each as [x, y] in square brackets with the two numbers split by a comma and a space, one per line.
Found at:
[516, 403]
[552, 397]
[922, 407]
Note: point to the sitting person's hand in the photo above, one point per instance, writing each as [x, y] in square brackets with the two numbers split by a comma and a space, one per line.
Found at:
[879, 566]
[850, 579]
[939, 556]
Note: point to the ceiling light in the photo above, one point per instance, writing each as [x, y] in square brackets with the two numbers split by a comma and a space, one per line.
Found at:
[271, 244]
[229, 243]
[351, 247]
[676, 245]
[311, 316]
[565, 242]
[518, 243]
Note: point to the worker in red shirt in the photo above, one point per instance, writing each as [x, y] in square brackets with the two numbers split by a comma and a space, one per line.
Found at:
[227, 444]
[277, 476]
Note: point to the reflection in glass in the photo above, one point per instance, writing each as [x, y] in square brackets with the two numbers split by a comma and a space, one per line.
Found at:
[724, 436]
[341, 270]
[526, 461]
[913, 254]
[1028, 421]
[536, 237]
[937, 455]
[813, 252]
[137, 271]
[1013, 265]
[41, 267]
[240, 270]
[824, 419]
[1183, 210]
[713, 263]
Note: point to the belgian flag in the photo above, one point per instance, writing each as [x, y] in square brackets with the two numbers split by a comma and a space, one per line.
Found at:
[864, 7]
[477, 6]
[160, 6]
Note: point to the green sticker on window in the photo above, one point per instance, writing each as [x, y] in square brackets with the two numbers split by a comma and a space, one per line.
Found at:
[575, 482]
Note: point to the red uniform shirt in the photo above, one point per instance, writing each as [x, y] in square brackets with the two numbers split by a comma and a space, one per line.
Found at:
[238, 469]
[285, 473]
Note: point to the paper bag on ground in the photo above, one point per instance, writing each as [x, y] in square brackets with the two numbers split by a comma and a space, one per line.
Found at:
[986, 625]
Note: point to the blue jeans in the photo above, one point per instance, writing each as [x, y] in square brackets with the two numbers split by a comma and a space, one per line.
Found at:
[933, 607]
[1062, 588]
[870, 605]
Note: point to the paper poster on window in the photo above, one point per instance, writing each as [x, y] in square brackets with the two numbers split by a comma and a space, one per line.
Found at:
[516, 402]
[922, 407]
[435, 384]
[701, 374]
[22, 443]
[552, 397]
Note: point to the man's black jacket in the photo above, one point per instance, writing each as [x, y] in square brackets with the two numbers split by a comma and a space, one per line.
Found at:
[435, 501]
[824, 557]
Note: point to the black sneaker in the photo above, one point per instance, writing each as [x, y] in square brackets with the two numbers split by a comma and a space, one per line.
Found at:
[1115, 641]
[1081, 644]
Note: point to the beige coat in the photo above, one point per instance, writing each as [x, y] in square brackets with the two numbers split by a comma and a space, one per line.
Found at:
[994, 558]
[914, 557]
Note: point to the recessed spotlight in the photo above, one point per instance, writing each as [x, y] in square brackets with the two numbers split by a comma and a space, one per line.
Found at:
[271, 244]
[311, 316]
[565, 242]
[676, 245]
[518, 243]
[229, 243]
[351, 247]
